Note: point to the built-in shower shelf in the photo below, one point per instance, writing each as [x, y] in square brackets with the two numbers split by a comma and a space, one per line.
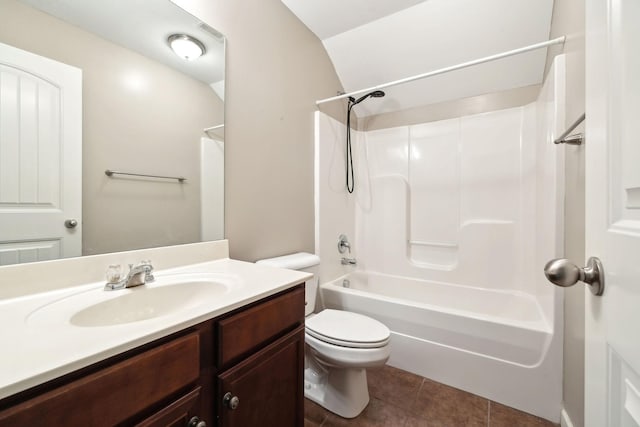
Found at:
[437, 244]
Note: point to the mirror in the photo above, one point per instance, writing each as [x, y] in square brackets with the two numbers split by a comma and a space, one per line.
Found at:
[145, 111]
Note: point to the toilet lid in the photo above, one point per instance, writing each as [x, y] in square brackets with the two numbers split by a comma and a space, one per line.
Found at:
[347, 329]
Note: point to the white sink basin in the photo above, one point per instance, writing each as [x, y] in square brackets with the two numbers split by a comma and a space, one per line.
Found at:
[146, 303]
[166, 296]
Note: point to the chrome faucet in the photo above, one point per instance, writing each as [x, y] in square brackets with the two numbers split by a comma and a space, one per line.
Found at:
[139, 274]
[348, 261]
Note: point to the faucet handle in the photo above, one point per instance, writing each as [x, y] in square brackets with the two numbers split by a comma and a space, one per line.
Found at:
[343, 244]
[146, 263]
[113, 273]
[148, 275]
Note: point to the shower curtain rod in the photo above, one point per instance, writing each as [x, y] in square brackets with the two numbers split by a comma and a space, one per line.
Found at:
[559, 40]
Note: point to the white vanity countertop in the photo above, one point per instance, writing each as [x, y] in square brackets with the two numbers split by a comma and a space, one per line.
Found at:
[37, 349]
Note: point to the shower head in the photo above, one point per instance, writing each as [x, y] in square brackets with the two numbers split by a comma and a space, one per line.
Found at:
[350, 104]
[374, 94]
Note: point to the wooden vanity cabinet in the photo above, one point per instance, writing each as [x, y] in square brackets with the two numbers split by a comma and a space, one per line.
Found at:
[255, 352]
[261, 359]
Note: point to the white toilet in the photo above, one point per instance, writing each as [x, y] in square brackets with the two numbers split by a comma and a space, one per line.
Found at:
[339, 345]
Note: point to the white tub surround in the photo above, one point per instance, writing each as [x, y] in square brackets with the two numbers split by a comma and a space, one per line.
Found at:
[492, 343]
[42, 346]
[451, 223]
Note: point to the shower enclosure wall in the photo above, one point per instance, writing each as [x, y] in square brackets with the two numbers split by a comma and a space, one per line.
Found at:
[451, 223]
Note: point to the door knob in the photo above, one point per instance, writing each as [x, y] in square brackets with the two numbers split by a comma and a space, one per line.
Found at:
[564, 273]
[71, 223]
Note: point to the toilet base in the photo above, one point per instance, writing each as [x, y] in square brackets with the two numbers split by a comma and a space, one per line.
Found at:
[341, 391]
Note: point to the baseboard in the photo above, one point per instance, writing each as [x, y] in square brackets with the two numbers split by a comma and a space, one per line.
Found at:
[565, 421]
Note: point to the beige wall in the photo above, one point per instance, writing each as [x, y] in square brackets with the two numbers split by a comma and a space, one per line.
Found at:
[569, 20]
[154, 127]
[276, 69]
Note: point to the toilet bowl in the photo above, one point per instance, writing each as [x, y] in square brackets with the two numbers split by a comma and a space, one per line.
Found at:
[339, 346]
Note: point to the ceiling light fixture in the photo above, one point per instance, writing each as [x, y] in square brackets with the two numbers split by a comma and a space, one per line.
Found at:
[186, 47]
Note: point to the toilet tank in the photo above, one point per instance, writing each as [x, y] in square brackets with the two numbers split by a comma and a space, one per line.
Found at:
[301, 261]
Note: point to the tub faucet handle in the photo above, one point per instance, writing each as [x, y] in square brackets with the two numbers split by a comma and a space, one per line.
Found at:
[343, 244]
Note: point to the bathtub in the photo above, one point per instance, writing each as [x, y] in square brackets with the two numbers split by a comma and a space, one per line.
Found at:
[496, 344]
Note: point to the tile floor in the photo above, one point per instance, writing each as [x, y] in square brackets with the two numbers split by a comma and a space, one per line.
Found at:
[402, 399]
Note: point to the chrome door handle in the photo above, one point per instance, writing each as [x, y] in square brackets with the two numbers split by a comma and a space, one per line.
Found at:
[71, 223]
[564, 273]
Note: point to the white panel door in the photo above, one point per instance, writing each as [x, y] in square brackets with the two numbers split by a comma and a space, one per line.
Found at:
[40, 157]
[612, 366]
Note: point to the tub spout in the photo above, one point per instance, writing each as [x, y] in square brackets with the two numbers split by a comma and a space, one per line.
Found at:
[348, 261]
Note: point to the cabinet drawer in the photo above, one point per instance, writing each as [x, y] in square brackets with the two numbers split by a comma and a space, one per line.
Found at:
[250, 329]
[116, 393]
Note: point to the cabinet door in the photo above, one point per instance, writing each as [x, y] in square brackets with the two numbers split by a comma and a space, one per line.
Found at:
[268, 386]
[177, 413]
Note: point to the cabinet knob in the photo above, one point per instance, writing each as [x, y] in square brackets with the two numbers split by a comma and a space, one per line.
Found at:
[230, 401]
[196, 422]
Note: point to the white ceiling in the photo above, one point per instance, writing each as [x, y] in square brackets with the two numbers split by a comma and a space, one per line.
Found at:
[372, 42]
[144, 26]
[327, 18]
